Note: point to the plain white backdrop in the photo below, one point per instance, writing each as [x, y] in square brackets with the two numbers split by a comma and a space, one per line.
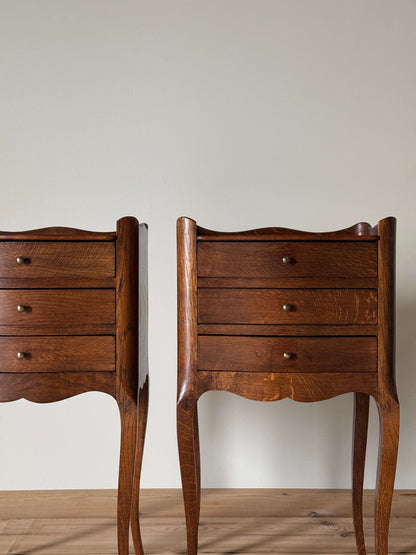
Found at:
[239, 114]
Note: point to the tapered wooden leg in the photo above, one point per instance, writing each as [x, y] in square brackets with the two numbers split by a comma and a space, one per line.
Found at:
[141, 432]
[389, 442]
[361, 406]
[188, 445]
[128, 417]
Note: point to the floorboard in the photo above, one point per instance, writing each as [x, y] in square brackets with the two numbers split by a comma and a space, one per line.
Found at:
[246, 521]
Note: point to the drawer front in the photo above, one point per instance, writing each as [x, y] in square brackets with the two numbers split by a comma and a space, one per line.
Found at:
[26, 307]
[31, 259]
[287, 259]
[57, 354]
[287, 306]
[287, 354]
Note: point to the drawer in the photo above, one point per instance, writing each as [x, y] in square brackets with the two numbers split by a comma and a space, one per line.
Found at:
[287, 306]
[27, 307]
[287, 259]
[287, 354]
[57, 354]
[31, 259]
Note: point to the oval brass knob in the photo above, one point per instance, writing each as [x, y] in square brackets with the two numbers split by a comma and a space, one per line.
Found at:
[21, 308]
[287, 307]
[287, 355]
[286, 260]
[21, 355]
[20, 260]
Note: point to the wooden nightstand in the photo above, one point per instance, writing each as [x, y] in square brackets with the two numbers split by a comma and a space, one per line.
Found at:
[275, 313]
[69, 323]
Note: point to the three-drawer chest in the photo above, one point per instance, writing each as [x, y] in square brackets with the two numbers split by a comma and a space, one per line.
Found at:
[275, 313]
[70, 322]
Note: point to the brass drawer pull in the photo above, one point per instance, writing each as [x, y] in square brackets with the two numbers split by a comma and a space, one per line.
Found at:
[287, 260]
[21, 308]
[21, 355]
[287, 307]
[287, 355]
[20, 260]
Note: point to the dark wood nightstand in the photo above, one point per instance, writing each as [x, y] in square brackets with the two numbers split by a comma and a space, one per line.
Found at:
[69, 323]
[274, 313]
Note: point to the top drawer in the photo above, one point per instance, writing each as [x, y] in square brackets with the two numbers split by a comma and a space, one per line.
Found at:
[32, 259]
[287, 259]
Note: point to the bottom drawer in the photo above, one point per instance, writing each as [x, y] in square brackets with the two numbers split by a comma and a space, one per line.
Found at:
[57, 354]
[287, 354]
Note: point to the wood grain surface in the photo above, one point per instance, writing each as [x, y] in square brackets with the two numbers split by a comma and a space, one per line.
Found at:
[57, 259]
[264, 259]
[57, 234]
[288, 283]
[307, 354]
[304, 387]
[357, 232]
[58, 354]
[305, 306]
[242, 521]
[281, 329]
[57, 306]
[45, 387]
[127, 364]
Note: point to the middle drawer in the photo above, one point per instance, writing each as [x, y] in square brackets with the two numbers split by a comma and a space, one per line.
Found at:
[287, 306]
[26, 307]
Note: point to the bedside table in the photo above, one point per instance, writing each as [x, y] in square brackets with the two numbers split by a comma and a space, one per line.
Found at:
[275, 313]
[69, 323]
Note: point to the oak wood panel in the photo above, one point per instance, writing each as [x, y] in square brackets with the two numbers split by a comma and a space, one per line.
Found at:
[359, 231]
[57, 259]
[308, 354]
[308, 259]
[58, 354]
[387, 310]
[57, 283]
[45, 387]
[287, 236]
[54, 329]
[57, 234]
[288, 283]
[387, 399]
[57, 306]
[309, 329]
[265, 306]
[299, 386]
[187, 304]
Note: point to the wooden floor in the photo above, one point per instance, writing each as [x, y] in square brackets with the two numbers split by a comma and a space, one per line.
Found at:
[312, 522]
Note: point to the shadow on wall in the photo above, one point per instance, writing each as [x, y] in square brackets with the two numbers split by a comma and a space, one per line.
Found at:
[287, 444]
[406, 386]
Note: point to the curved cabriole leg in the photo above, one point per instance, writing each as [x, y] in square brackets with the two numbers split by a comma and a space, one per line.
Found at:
[197, 460]
[128, 417]
[141, 432]
[188, 444]
[361, 406]
[389, 414]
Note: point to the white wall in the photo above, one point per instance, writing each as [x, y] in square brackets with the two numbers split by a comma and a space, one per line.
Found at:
[239, 114]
